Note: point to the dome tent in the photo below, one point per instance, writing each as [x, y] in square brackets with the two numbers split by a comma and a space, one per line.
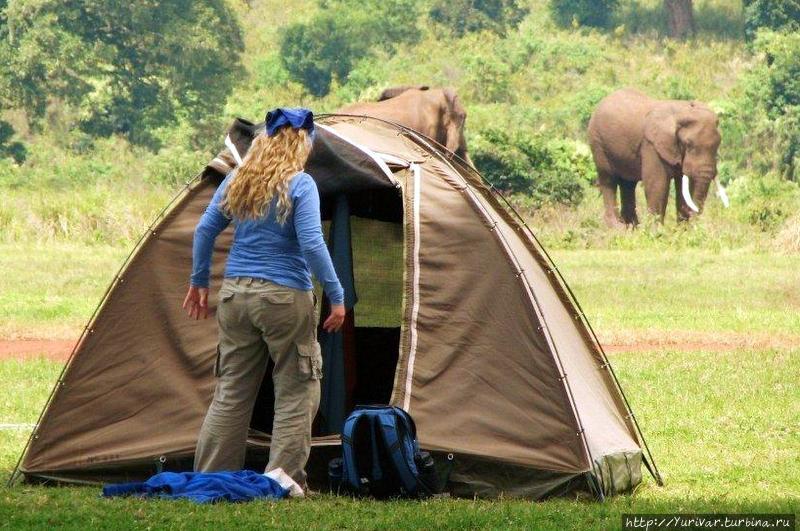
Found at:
[462, 320]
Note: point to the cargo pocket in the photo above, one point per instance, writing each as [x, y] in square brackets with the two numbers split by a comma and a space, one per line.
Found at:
[310, 360]
[217, 372]
[278, 297]
[225, 296]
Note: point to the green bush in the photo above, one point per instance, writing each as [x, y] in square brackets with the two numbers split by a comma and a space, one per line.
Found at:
[596, 13]
[788, 127]
[319, 51]
[465, 16]
[549, 171]
[269, 70]
[128, 67]
[782, 70]
[584, 102]
[489, 79]
[328, 47]
[765, 202]
[772, 14]
[9, 147]
[772, 93]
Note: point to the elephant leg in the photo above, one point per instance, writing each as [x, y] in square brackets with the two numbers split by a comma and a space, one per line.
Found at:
[657, 194]
[608, 189]
[656, 179]
[627, 191]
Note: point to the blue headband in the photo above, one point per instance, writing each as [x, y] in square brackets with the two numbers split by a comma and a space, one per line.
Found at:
[297, 118]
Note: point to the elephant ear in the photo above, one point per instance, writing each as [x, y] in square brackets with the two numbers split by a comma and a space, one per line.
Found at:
[454, 119]
[661, 130]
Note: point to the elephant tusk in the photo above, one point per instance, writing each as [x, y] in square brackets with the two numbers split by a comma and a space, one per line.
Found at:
[723, 195]
[687, 196]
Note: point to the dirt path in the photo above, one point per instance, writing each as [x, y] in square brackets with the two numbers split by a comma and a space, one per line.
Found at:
[629, 341]
[689, 341]
[24, 349]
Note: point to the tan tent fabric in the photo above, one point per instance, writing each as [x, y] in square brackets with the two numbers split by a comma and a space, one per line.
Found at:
[495, 362]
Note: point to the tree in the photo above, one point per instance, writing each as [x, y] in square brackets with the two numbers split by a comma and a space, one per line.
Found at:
[317, 52]
[327, 47]
[464, 16]
[782, 16]
[597, 13]
[128, 67]
[680, 18]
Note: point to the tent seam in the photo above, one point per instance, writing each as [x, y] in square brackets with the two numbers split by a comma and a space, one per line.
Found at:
[412, 350]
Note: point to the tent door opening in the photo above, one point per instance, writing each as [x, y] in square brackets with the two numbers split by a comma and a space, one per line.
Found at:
[364, 231]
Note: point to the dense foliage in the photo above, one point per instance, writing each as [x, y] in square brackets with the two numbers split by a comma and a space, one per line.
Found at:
[8, 146]
[328, 47]
[529, 90]
[465, 16]
[770, 105]
[597, 13]
[125, 67]
[548, 170]
[782, 68]
[771, 14]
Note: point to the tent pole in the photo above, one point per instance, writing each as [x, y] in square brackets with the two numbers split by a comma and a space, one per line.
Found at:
[142, 239]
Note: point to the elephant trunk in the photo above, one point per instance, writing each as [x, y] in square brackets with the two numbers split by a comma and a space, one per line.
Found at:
[687, 195]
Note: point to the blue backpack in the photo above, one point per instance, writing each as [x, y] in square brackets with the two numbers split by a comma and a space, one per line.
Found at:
[381, 456]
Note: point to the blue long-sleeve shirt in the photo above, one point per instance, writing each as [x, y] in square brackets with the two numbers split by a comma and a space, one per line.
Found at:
[263, 248]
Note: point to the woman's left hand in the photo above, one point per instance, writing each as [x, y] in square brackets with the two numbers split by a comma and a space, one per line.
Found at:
[335, 320]
[196, 302]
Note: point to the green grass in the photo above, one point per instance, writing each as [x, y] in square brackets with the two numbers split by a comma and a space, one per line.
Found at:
[723, 425]
[723, 428]
[667, 290]
[51, 289]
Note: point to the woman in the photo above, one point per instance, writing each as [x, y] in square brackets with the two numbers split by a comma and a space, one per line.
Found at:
[266, 304]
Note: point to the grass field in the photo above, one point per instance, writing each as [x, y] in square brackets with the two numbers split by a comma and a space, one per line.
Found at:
[722, 423]
[50, 289]
[723, 427]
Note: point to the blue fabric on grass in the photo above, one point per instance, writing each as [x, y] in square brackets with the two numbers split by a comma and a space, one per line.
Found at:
[202, 487]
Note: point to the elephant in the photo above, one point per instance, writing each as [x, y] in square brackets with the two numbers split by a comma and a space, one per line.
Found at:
[391, 92]
[637, 138]
[434, 112]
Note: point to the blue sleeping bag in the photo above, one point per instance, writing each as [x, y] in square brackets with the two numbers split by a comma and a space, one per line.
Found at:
[203, 487]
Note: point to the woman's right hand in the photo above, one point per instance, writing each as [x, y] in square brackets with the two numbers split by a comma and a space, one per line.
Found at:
[335, 320]
[196, 302]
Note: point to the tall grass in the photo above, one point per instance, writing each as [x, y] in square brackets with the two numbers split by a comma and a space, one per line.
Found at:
[755, 221]
[98, 213]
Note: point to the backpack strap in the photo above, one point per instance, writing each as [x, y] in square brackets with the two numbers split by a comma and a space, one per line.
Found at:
[400, 447]
[374, 427]
[349, 465]
[411, 427]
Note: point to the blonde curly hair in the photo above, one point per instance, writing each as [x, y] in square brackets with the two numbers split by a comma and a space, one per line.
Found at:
[264, 174]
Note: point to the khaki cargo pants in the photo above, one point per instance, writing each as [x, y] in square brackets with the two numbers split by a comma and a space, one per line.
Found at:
[258, 318]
